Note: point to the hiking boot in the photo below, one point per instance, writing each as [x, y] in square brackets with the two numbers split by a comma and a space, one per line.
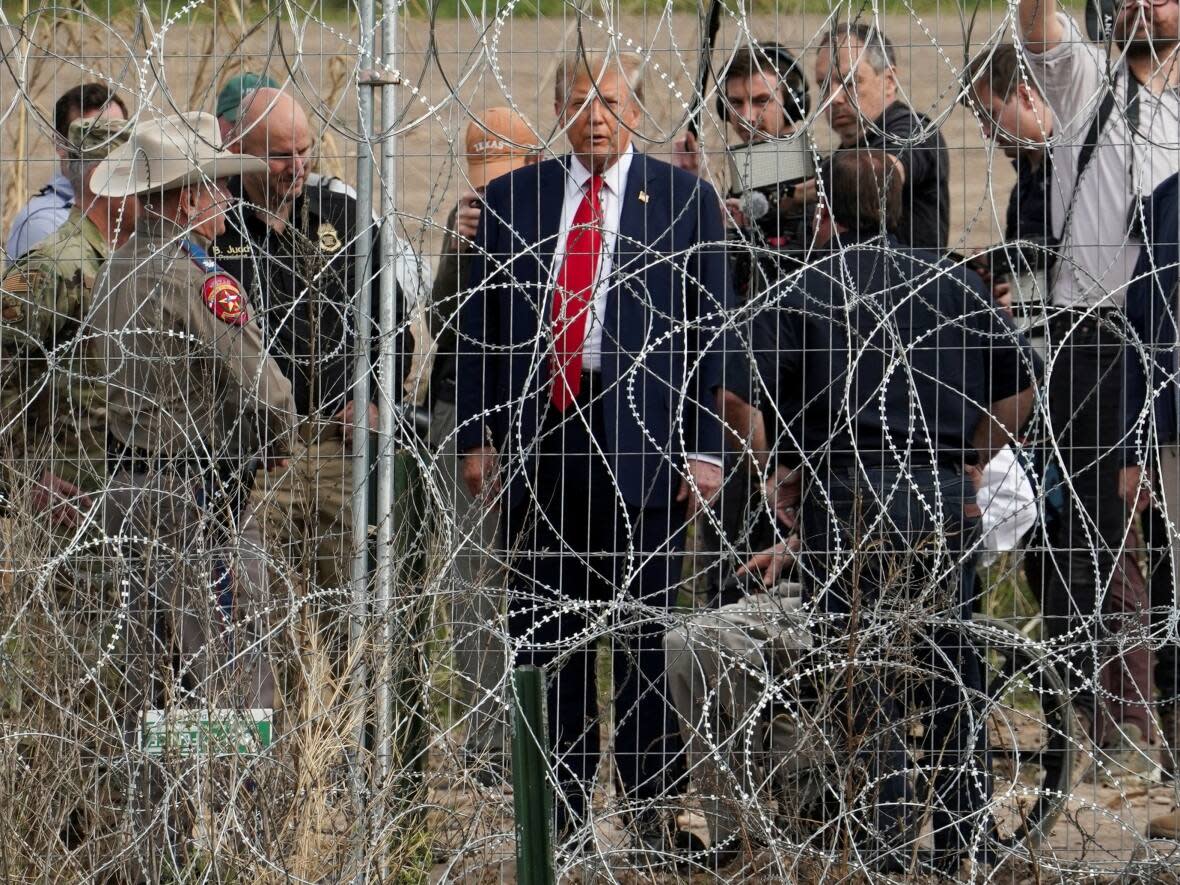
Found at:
[1169, 717]
[1166, 826]
[1085, 767]
[1130, 757]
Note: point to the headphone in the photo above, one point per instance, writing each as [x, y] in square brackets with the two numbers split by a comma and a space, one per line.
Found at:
[1100, 19]
[791, 79]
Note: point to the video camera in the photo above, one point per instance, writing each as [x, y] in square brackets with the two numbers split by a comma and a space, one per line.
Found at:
[1025, 266]
[762, 175]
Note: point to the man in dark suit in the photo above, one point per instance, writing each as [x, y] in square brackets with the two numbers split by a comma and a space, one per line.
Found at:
[591, 341]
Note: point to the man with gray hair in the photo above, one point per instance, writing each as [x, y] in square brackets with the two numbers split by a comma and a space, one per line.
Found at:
[293, 247]
[856, 69]
[590, 347]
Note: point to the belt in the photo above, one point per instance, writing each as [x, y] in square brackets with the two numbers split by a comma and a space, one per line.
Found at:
[952, 461]
[315, 430]
[1065, 320]
[121, 456]
[234, 478]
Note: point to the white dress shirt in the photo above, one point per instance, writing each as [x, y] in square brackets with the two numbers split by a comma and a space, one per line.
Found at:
[610, 198]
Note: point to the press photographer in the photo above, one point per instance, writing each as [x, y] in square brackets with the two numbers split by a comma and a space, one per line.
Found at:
[764, 97]
[856, 69]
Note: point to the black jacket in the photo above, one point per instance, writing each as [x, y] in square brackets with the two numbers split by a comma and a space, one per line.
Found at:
[304, 281]
[884, 353]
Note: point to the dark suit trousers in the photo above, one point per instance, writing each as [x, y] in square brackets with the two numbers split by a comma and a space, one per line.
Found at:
[894, 581]
[584, 566]
[1095, 599]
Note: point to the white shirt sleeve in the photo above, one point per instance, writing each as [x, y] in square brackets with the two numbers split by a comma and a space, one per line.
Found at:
[1070, 76]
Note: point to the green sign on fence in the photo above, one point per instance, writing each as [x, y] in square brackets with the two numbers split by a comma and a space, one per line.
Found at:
[200, 732]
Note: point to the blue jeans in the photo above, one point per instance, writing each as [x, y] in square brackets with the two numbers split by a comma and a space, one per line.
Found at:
[887, 556]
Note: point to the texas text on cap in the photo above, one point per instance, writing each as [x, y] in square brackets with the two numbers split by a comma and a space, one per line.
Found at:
[168, 153]
[92, 138]
[229, 99]
[500, 141]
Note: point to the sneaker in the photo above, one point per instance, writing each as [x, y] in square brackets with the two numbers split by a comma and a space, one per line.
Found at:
[1131, 757]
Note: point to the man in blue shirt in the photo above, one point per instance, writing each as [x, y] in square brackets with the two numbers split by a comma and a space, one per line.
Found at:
[49, 208]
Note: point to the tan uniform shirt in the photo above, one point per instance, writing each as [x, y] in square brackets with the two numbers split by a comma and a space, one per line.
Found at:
[51, 398]
[187, 369]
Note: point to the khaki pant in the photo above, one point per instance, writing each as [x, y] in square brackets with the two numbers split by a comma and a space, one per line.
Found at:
[196, 637]
[470, 532]
[198, 595]
[306, 515]
[724, 667]
[1169, 488]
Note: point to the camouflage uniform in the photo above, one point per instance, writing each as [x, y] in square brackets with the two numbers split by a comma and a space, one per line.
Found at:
[56, 412]
[52, 418]
[50, 394]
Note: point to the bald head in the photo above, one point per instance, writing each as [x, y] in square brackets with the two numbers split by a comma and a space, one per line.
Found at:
[273, 126]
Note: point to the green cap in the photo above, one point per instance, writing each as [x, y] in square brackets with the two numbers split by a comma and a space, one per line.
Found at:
[92, 138]
[229, 100]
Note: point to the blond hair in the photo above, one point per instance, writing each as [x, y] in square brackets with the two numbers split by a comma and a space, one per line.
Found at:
[582, 61]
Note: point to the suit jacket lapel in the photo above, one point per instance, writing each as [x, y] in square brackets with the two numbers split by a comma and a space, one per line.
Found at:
[551, 196]
[630, 244]
[632, 214]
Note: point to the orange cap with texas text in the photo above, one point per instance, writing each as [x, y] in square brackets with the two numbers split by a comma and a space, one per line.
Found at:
[498, 142]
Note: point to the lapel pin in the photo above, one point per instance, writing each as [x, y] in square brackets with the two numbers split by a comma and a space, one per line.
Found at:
[643, 196]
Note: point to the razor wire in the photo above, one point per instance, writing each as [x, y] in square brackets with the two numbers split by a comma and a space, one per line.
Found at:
[137, 616]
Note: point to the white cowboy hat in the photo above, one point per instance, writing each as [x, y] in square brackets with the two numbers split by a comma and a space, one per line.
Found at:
[168, 153]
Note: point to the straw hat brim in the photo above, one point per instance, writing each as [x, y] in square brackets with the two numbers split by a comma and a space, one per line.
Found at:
[125, 177]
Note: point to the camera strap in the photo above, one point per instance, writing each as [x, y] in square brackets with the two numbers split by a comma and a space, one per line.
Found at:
[1090, 142]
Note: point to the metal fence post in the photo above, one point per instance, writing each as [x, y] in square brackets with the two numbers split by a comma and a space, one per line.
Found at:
[532, 798]
[362, 781]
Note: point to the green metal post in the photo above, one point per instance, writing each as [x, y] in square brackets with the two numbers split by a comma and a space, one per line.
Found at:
[531, 795]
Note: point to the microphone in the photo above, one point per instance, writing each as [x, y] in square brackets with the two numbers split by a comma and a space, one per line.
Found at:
[754, 205]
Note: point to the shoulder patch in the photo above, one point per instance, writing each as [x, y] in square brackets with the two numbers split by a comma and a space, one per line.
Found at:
[20, 281]
[329, 237]
[223, 297]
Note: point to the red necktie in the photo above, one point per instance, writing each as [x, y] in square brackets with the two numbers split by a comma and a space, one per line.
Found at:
[572, 297]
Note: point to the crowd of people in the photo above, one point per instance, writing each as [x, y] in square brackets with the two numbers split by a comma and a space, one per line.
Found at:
[625, 359]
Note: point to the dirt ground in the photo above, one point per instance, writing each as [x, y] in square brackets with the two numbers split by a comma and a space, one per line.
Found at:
[1098, 838]
[458, 68]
